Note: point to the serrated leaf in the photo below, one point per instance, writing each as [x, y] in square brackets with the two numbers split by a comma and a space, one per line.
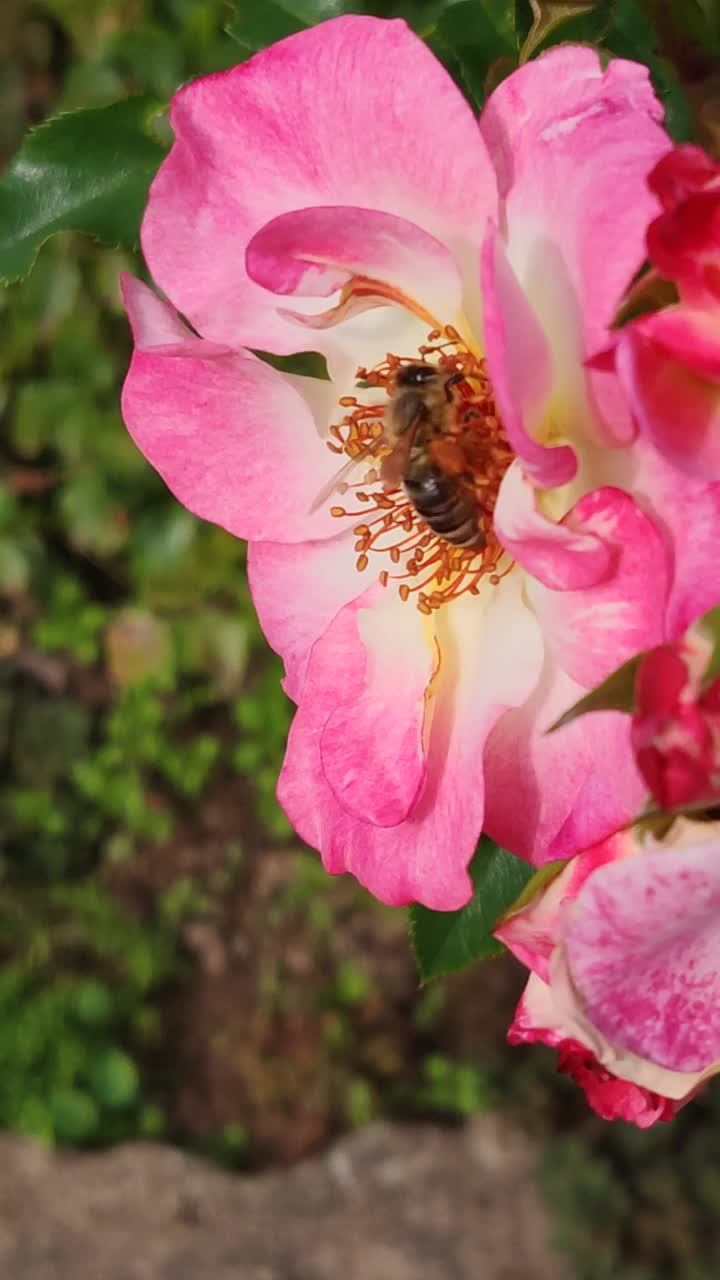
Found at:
[83, 171]
[617, 693]
[445, 941]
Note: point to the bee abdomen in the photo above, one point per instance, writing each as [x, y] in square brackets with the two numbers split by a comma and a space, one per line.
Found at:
[445, 505]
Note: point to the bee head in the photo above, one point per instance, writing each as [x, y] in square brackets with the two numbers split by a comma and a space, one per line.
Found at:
[416, 375]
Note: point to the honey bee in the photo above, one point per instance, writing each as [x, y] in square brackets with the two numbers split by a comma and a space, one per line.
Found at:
[424, 457]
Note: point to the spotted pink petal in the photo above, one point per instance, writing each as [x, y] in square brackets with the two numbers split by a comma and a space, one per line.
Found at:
[353, 112]
[643, 949]
[481, 672]
[533, 932]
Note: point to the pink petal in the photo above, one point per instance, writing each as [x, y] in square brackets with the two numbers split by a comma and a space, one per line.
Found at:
[573, 145]
[355, 111]
[232, 439]
[558, 555]
[677, 409]
[489, 658]
[643, 948]
[692, 337]
[550, 1013]
[519, 365]
[533, 932]
[550, 796]
[592, 631]
[297, 590]
[315, 252]
[378, 665]
[687, 512]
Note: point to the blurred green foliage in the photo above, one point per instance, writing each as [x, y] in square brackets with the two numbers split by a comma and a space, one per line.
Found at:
[134, 684]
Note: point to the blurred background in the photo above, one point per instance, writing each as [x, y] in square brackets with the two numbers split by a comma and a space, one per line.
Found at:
[174, 966]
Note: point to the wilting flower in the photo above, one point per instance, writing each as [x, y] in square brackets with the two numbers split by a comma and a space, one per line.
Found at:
[624, 952]
[669, 360]
[336, 193]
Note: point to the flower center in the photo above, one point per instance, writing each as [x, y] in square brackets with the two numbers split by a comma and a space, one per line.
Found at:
[449, 461]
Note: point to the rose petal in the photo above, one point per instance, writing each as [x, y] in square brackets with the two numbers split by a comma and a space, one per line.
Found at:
[643, 950]
[312, 120]
[593, 631]
[519, 367]
[489, 659]
[687, 511]
[552, 795]
[231, 438]
[297, 590]
[678, 410]
[573, 144]
[533, 932]
[558, 555]
[316, 252]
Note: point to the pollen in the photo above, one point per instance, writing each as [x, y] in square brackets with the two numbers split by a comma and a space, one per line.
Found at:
[472, 449]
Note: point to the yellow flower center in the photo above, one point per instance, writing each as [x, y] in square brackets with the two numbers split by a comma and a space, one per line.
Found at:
[466, 455]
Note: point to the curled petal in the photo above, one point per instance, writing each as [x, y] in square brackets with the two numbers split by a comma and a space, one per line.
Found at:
[519, 365]
[487, 662]
[316, 252]
[372, 746]
[389, 131]
[592, 631]
[677, 409]
[643, 949]
[558, 555]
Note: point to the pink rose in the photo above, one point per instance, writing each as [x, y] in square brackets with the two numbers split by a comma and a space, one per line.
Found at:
[336, 193]
[676, 724]
[624, 952]
[669, 361]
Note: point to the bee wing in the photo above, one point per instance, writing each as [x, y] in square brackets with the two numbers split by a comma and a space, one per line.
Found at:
[342, 476]
[392, 467]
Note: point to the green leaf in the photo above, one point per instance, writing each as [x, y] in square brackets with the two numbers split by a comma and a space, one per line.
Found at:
[445, 941]
[617, 693]
[113, 1078]
[472, 38]
[257, 26]
[549, 15]
[75, 1116]
[307, 364]
[83, 171]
